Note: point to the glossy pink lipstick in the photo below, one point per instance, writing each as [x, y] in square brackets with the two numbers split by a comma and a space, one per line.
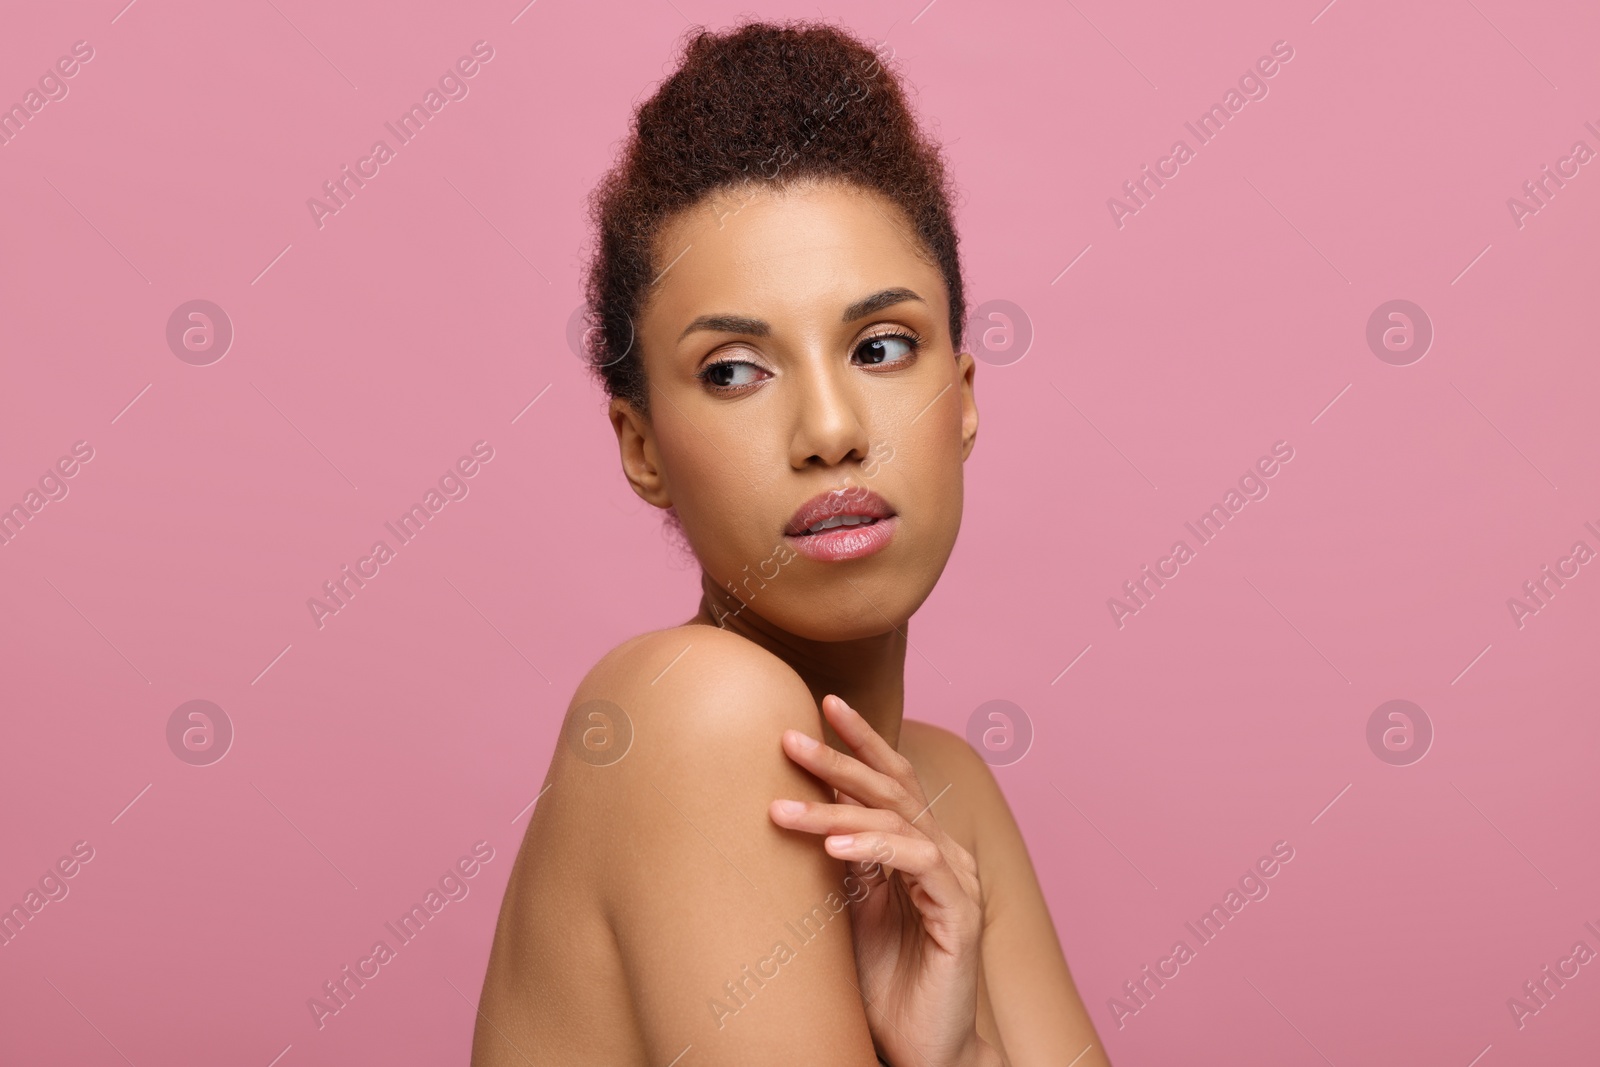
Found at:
[841, 524]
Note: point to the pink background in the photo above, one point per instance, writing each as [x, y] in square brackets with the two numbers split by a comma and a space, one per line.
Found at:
[1228, 314]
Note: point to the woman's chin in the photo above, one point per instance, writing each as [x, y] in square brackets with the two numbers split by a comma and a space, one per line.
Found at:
[851, 613]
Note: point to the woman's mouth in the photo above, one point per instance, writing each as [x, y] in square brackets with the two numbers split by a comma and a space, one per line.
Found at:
[841, 524]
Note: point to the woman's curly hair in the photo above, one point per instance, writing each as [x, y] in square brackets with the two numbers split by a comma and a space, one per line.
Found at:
[783, 102]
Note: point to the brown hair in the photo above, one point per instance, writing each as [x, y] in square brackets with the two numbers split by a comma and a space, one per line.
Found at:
[787, 102]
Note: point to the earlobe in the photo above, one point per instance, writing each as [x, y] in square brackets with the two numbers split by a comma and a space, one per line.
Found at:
[968, 369]
[636, 446]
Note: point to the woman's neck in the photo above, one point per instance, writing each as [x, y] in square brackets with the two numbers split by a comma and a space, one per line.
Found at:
[868, 673]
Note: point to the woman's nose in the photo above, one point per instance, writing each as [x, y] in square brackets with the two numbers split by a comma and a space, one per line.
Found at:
[828, 424]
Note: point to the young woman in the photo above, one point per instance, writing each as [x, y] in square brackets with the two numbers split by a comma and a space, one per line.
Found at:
[780, 310]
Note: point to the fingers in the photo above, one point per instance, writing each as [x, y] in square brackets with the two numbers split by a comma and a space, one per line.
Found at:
[872, 837]
[851, 776]
[844, 824]
[874, 825]
[868, 745]
[867, 836]
[876, 775]
[949, 906]
[843, 821]
[837, 818]
[881, 824]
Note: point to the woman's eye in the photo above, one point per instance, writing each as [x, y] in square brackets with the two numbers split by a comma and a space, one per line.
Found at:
[730, 374]
[888, 348]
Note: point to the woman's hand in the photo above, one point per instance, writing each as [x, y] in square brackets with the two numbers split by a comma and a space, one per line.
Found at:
[917, 929]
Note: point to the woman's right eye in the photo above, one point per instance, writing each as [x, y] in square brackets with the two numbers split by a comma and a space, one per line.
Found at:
[730, 374]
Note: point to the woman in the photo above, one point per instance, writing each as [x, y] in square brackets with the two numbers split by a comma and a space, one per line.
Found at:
[780, 306]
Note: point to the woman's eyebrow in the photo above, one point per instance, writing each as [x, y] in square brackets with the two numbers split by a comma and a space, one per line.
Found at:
[728, 324]
[760, 328]
[877, 302]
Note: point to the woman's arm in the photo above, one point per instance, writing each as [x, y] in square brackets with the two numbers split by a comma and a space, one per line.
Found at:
[734, 933]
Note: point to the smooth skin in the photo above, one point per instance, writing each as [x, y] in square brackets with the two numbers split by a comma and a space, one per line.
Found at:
[666, 907]
[916, 940]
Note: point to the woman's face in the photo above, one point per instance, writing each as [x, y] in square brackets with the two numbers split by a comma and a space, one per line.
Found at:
[797, 344]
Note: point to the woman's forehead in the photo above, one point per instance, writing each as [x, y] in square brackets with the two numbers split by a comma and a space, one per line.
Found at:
[811, 250]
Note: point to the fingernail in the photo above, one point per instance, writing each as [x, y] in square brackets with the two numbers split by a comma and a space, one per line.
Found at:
[804, 741]
[842, 841]
[791, 807]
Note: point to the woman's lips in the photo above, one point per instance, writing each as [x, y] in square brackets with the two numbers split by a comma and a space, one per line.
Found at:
[845, 542]
[876, 526]
[855, 500]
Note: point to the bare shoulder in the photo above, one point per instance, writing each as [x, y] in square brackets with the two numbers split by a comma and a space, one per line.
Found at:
[676, 659]
[971, 800]
[668, 822]
[687, 710]
[690, 692]
[970, 805]
[1036, 1003]
[671, 753]
[944, 748]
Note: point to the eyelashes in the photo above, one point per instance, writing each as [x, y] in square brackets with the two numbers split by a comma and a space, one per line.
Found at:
[712, 375]
[903, 333]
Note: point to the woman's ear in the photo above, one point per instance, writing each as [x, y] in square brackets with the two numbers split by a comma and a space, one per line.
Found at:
[967, 368]
[641, 460]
